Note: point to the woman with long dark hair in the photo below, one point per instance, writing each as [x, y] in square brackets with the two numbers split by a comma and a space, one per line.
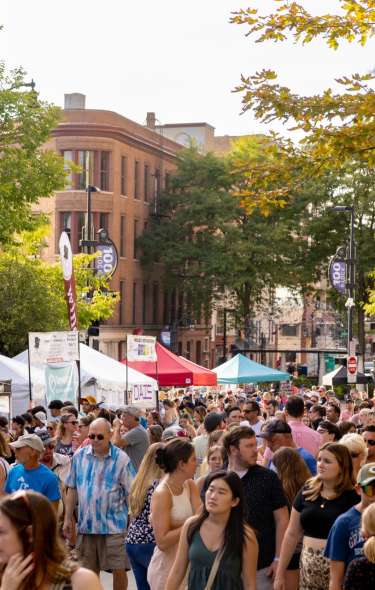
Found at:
[175, 499]
[220, 548]
[32, 555]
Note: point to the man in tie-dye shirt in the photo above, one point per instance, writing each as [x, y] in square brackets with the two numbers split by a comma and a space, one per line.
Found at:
[99, 480]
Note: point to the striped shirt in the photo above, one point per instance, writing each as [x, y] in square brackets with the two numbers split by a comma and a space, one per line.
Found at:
[102, 485]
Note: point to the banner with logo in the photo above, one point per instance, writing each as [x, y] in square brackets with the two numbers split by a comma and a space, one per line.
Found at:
[66, 256]
[106, 263]
[61, 382]
[141, 348]
[53, 347]
[337, 275]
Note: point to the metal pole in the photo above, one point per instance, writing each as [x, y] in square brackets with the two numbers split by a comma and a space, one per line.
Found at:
[225, 335]
[351, 279]
[29, 366]
[88, 228]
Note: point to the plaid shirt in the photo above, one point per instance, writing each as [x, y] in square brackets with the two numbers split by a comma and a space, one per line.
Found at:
[102, 485]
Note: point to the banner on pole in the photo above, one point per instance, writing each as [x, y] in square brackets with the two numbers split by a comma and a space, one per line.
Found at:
[337, 275]
[66, 256]
[53, 347]
[61, 382]
[141, 348]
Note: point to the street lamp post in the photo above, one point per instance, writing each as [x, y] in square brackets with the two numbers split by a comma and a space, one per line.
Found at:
[350, 283]
[89, 238]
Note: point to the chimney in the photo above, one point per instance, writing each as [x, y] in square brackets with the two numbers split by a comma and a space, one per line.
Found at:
[74, 101]
[151, 120]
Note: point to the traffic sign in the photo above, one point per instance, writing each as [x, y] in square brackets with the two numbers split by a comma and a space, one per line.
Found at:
[352, 366]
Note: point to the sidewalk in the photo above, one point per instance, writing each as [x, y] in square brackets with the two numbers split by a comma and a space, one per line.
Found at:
[106, 580]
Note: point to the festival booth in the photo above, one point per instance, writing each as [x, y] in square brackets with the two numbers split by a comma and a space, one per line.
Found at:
[105, 378]
[172, 370]
[241, 369]
[339, 377]
[18, 374]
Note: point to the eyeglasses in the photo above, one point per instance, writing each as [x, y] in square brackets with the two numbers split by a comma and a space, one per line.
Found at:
[370, 442]
[82, 426]
[369, 489]
[72, 422]
[98, 436]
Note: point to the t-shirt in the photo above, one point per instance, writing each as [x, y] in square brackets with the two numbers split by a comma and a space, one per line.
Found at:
[345, 541]
[64, 449]
[41, 479]
[306, 456]
[137, 444]
[318, 516]
[360, 575]
[263, 495]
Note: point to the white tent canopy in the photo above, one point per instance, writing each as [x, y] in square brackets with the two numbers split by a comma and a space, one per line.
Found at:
[105, 378]
[18, 373]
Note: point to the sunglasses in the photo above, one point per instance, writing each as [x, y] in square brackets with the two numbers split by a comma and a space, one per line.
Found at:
[370, 442]
[98, 436]
[369, 489]
[72, 422]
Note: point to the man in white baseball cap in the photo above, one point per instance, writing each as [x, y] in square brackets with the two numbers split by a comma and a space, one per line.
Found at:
[29, 473]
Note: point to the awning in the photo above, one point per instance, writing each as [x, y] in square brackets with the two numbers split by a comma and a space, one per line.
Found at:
[241, 369]
[339, 377]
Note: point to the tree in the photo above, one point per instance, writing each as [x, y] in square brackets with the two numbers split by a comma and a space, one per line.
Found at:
[32, 293]
[337, 127]
[28, 171]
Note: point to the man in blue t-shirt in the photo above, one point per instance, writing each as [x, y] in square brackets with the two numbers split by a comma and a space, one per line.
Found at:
[278, 434]
[345, 541]
[29, 473]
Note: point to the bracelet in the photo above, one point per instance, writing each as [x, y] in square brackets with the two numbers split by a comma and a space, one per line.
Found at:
[276, 558]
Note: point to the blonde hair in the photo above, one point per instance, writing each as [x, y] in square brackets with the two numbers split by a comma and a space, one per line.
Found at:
[148, 472]
[368, 527]
[345, 480]
[355, 443]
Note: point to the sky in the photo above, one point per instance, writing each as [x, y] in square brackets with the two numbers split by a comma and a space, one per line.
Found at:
[179, 59]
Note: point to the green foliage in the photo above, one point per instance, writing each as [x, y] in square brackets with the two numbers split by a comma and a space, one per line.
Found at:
[32, 293]
[28, 171]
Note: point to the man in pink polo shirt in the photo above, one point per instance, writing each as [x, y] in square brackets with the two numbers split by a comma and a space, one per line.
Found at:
[303, 436]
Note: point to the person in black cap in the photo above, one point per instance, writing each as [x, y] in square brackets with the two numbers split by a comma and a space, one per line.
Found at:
[278, 434]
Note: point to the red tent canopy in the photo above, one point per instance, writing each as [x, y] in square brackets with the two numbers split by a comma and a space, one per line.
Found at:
[173, 370]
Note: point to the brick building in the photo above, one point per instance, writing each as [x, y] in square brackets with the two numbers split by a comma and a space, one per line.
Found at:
[129, 164]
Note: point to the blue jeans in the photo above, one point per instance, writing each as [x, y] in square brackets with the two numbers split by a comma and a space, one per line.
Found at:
[140, 557]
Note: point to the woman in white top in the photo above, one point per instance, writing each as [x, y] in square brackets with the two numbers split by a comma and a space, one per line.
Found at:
[174, 501]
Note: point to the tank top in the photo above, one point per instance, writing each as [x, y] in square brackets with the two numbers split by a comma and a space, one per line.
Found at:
[181, 505]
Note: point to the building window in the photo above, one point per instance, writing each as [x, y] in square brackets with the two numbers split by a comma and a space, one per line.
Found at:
[146, 181]
[144, 304]
[104, 221]
[124, 174]
[136, 179]
[68, 158]
[104, 171]
[86, 161]
[167, 181]
[198, 352]
[66, 222]
[180, 351]
[289, 329]
[122, 303]
[123, 236]
[136, 233]
[134, 309]
[80, 224]
[156, 191]
[155, 303]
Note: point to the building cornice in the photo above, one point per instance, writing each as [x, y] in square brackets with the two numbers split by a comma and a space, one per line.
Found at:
[161, 146]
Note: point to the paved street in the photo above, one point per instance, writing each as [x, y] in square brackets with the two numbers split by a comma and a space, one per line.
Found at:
[106, 580]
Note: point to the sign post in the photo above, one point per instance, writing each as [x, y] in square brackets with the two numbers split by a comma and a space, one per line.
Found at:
[352, 368]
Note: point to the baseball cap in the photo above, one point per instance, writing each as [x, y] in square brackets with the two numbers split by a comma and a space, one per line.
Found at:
[275, 427]
[41, 416]
[90, 399]
[366, 474]
[44, 436]
[28, 440]
[212, 421]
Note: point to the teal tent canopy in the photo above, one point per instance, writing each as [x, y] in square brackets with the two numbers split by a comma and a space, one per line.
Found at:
[240, 369]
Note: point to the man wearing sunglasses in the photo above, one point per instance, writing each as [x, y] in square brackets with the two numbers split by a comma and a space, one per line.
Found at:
[99, 480]
[345, 541]
[369, 437]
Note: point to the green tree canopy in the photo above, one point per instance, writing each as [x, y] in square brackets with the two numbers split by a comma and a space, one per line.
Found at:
[28, 171]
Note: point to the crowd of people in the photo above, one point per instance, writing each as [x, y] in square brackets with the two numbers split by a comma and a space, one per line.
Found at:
[233, 490]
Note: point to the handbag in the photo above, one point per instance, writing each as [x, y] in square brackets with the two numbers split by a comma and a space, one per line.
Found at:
[214, 569]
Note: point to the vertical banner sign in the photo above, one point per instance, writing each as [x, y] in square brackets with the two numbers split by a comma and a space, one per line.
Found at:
[66, 256]
[337, 275]
[352, 368]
